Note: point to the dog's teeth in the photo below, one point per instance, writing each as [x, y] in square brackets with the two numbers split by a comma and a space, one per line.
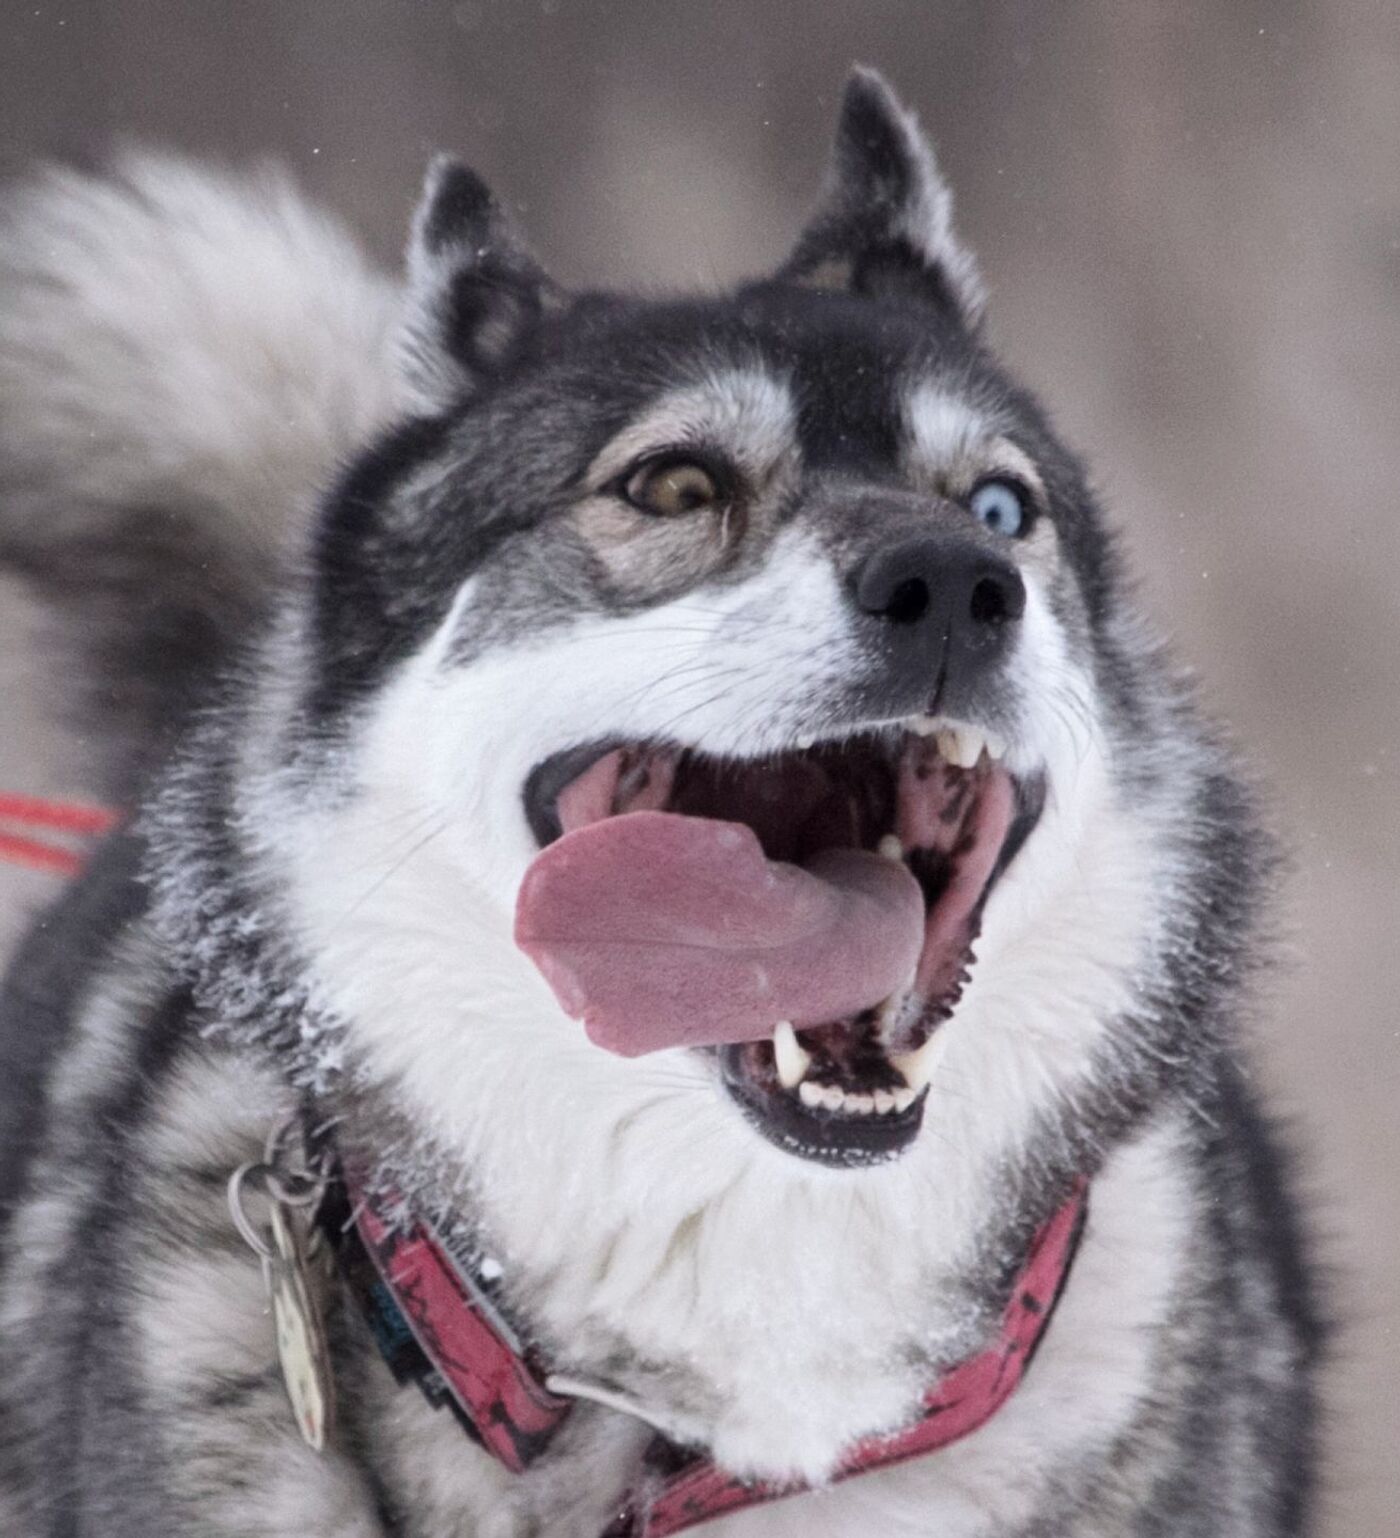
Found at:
[890, 847]
[918, 1067]
[791, 1058]
[805, 742]
[960, 745]
[830, 1097]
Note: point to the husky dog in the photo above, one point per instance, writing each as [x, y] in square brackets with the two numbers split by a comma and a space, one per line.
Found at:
[674, 790]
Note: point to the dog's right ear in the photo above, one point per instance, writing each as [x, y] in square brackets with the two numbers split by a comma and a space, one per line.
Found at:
[474, 289]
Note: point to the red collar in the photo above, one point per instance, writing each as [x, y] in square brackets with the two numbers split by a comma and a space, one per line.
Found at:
[435, 1317]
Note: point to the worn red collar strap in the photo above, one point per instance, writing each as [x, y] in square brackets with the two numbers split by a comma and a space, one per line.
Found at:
[962, 1400]
[437, 1322]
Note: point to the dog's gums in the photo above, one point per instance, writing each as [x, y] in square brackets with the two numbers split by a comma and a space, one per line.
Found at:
[808, 917]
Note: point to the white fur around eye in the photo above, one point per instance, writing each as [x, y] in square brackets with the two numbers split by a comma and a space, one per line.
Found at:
[746, 414]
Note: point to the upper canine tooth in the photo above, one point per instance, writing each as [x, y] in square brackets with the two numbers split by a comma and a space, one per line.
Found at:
[791, 1057]
[960, 745]
[971, 740]
[918, 1066]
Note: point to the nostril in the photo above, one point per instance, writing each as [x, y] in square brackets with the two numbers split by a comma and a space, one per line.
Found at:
[997, 599]
[909, 602]
[988, 603]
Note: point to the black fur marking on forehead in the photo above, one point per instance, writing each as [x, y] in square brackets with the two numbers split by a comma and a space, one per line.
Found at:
[850, 360]
[847, 360]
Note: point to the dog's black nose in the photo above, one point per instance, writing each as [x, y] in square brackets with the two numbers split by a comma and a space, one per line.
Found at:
[946, 604]
[949, 586]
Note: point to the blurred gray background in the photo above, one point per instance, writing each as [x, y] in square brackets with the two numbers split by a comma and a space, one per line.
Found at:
[1189, 215]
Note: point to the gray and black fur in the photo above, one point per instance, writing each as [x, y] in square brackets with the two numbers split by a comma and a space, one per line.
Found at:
[167, 1012]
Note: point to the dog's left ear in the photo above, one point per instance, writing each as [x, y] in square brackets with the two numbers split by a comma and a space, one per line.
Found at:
[474, 290]
[885, 224]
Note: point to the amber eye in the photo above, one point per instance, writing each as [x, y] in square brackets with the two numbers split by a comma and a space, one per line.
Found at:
[670, 487]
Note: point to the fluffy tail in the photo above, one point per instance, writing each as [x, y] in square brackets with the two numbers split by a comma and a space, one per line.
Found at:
[185, 355]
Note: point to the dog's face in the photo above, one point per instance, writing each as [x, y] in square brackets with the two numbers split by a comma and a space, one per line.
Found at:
[725, 674]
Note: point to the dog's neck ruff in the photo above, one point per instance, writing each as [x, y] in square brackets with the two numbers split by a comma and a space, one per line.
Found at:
[433, 1312]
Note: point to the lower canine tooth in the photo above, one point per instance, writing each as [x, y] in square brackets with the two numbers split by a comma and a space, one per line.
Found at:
[918, 1067]
[890, 847]
[791, 1059]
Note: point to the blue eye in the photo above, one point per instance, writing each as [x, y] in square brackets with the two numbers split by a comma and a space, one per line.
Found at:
[1001, 505]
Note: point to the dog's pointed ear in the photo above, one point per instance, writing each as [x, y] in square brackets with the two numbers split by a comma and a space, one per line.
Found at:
[474, 290]
[885, 224]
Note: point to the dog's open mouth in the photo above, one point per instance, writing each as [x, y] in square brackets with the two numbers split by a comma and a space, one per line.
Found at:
[808, 917]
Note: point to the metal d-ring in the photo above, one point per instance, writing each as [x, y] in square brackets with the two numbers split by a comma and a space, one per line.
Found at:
[241, 1221]
[286, 1187]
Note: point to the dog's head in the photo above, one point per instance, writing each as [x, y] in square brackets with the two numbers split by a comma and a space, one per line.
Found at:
[736, 820]
[732, 675]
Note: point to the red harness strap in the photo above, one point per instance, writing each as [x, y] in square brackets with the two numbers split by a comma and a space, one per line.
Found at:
[70, 818]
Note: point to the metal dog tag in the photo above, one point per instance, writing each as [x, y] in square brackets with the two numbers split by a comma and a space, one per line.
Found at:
[301, 1334]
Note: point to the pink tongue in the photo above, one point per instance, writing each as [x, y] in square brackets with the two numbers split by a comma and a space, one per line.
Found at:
[659, 930]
